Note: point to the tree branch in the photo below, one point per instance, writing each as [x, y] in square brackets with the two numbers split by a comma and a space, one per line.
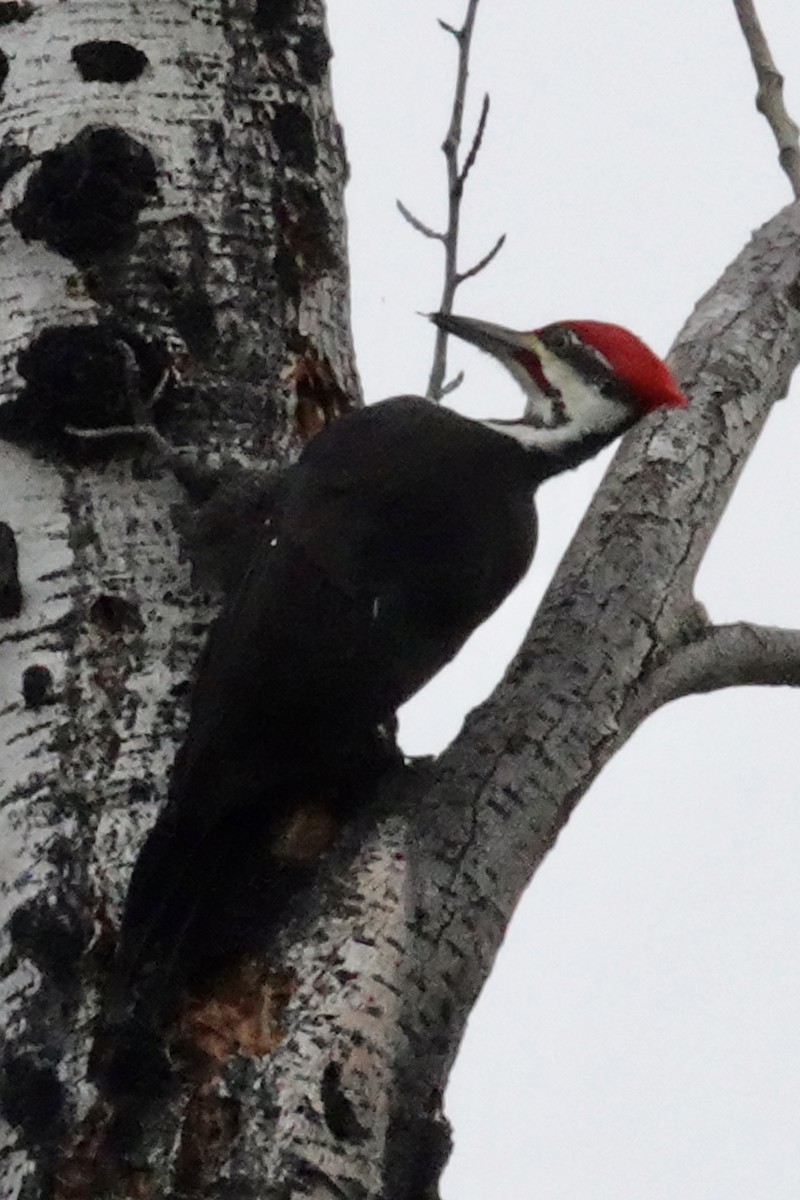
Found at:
[454, 193]
[769, 98]
[725, 656]
[622, 596]
[469, 161]
[456, 179]
[420, 226]
[483, 262]
[452, 384]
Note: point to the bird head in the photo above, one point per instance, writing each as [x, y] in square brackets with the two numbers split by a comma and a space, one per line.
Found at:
[585, 382]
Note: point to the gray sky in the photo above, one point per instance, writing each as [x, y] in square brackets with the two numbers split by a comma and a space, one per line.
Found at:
[638, 1039]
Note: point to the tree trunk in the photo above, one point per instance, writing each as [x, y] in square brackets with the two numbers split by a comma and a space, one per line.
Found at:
[172, 251]
[219, 298]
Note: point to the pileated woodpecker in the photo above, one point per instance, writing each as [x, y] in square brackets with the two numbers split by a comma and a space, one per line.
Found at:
[399, 530]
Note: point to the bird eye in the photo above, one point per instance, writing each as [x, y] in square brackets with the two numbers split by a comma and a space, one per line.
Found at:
[560, 338]
[612, 388]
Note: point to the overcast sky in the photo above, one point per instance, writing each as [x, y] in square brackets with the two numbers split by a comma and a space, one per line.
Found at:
[638, 1039]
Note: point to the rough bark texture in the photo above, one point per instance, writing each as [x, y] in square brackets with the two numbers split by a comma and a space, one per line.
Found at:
[320, 1072]
[597, 658]
[432, 891]
[172, 226]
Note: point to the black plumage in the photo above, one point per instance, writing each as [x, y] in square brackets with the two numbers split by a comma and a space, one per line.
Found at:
[400, 529]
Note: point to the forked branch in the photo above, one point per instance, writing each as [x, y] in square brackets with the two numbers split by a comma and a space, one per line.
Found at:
[456, 179]
[769, 97]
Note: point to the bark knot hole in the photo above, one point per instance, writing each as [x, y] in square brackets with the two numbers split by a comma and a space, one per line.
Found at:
[85, 198]
[109, 62]
[340, 1114]
[115, 614]
[37, 686]
[294, 137]
[274, 16]
[86, 376]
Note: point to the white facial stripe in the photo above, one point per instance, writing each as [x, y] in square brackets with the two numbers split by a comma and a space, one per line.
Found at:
[586, 410]
[530, 435]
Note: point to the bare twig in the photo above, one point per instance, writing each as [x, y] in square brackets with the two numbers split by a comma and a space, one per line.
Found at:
[769, 97]
[469, 161]
[456, 179]
[455, 189]
[415, 223]
[482, 263]
[451, 386]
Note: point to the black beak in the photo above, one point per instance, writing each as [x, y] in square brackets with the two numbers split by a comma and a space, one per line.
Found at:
[494, 339]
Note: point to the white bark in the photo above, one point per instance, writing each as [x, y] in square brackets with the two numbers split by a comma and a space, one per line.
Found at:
[321, 1071]
[240, 254]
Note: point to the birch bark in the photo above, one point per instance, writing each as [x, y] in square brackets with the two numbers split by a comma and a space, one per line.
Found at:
[322, 1075]
[190, 217]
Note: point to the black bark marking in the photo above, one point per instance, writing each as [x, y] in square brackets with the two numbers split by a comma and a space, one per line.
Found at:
[115, 614]
[37, 686]
[13, 158]
[340, 1115]
[51, 936]
[3, 69]
[294, 136]
[31, 1098]
[305, 250]
[287, 273]
[418, 1150]
[195, 321]
[179, 253]
[274, 16]
[109, 62]
[89, 376]
[10, 589]
[313, 52]
[15, 12]
[191, 310]
[84, 200]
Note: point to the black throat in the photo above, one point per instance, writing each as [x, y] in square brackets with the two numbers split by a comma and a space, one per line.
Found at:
[546, 463]
[543, 462]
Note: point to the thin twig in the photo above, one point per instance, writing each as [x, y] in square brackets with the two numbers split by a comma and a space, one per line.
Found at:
[482, 263]
[456, 179]
[415, 223]
[455, 190]
[451, 386]
[769, 97]
[469, 161]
